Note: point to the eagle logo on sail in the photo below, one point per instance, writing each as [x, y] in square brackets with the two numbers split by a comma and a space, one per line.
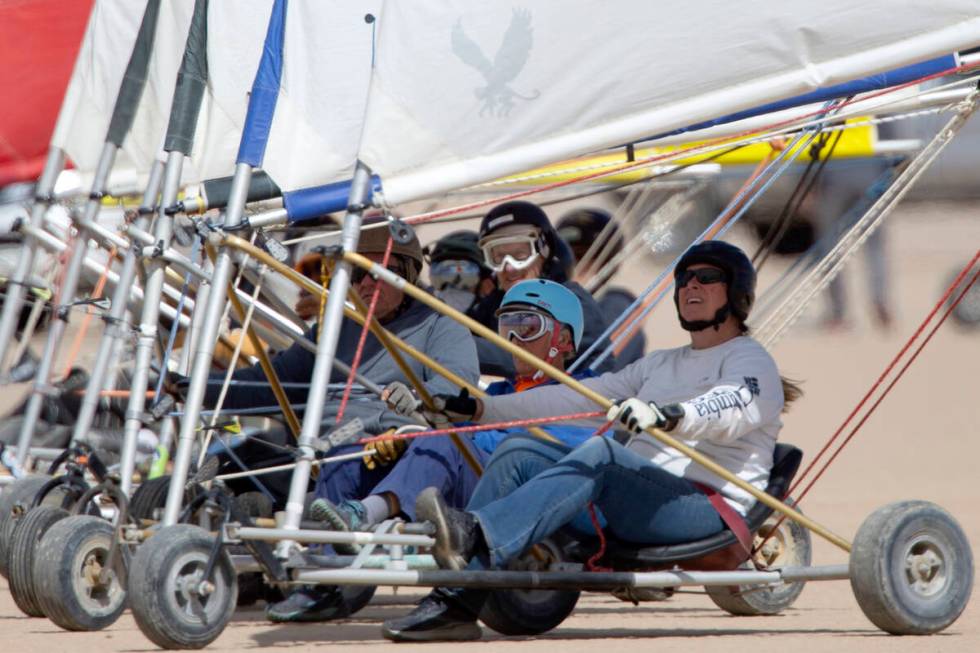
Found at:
[497, 96]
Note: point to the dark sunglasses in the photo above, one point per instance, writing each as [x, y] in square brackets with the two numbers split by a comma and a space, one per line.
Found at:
[357, 274]
[704, 276]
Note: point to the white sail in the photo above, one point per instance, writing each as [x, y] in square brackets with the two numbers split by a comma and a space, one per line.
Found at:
[91, 96]
[465, 92]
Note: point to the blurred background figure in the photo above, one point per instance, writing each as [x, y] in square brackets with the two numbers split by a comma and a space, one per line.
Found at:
[595, 239]
[457, 272]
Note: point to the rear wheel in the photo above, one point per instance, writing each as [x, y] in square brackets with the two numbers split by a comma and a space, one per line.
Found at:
[789, 545]
[529, 612]
[19, 494]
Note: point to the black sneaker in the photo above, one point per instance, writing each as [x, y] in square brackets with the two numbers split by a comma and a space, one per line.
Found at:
[309, 604]
[346, 517]
[457, 532]
[436, 619]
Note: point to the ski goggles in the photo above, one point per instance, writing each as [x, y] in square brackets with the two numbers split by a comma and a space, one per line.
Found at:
[705, 276]
[524, 325]
[454, 273]
[518, 252]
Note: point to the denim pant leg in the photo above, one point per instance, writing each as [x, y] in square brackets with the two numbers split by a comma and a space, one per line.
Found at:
[348, 479]
[432, 462]
[517, 459]
[640, 501]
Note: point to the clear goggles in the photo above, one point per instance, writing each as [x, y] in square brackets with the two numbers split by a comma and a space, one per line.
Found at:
[518, 252]
[454, 273]
[524, 325]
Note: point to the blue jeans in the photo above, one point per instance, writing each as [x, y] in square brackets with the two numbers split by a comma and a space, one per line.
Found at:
[433, 461]
[531, 488]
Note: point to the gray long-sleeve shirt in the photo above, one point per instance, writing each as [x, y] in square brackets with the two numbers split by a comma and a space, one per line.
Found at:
[732, 397]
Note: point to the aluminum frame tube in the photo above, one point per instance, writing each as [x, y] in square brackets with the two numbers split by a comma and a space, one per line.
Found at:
[62, 313]
[114, 333]
[150, 315]
[329, 335]
[16, 289]
[204, 349]
[252, 533]
[568, 580]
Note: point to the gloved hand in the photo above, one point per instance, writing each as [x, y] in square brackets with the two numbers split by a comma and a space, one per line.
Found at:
[457, 408]
[400, 398]
[385, 451]
[636, 415]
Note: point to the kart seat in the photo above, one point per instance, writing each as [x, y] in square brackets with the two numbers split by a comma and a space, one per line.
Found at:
[718, 551]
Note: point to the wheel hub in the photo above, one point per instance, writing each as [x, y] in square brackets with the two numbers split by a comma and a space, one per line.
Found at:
[925, 568]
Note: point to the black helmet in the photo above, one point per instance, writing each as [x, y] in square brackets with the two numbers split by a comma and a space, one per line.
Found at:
[741, 280]
[582, 227]
[558, 258]
[458, 245]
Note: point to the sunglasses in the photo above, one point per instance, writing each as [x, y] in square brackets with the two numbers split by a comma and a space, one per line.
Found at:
[524, 325]
[454, 273]
[705, 276]
[357, 275]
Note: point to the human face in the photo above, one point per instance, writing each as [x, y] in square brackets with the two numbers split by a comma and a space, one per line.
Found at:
[534, 338]
[389, 297]
[701, 301]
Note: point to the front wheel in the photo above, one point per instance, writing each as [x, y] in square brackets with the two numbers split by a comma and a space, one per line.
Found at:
[173, 603]
[911, 568]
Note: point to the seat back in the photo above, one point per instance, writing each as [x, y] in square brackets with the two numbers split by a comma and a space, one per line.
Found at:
[785, 463]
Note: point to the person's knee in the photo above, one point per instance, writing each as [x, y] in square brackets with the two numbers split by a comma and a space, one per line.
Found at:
[597, 451]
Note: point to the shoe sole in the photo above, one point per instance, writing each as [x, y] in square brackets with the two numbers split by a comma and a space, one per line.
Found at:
[459, 633]
[428, 507]
[321, 512]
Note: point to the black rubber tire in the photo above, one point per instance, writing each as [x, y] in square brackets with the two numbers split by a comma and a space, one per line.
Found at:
[790, 546]
[171, 616]
[65, 591]
[911, 568]
[21, 491]
[23, 548]
[967, 312]
[149, 496]
[520, 612]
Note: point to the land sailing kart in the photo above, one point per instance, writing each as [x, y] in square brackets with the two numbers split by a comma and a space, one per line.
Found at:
[81, 545]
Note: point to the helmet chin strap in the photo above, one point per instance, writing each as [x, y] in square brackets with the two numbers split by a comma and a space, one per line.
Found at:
[700, 325]
[555, 349]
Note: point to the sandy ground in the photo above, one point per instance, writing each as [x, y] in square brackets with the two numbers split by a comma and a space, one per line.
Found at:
[922, 443]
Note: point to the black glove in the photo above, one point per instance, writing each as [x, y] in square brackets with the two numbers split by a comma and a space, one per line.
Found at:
[458, 408]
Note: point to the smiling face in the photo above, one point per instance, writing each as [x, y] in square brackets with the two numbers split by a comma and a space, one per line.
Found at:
[700, 301]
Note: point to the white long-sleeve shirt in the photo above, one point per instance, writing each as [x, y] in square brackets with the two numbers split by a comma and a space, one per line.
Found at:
[732, 397]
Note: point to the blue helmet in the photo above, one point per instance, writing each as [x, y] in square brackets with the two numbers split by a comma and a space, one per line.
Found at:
[552, 298]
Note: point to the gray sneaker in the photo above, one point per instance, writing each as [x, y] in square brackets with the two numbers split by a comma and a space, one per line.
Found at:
[346, 517]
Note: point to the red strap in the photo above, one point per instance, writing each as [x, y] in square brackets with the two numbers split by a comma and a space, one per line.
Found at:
[734, 521]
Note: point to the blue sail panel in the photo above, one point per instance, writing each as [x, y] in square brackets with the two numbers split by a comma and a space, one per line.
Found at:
[265, 90]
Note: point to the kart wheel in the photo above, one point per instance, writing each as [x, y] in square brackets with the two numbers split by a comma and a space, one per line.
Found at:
[172, 602]
[67, 571]
[911, 568]
[967, 312]
[22, 492]
[789, 545]
[529, 612]
[23, 549]
[149, 496]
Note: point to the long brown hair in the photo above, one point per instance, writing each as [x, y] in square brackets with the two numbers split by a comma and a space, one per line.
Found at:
[791, 391]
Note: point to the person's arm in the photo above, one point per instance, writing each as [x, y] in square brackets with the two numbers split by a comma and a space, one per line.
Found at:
[555, 400]
[452, 345]
[748, 396]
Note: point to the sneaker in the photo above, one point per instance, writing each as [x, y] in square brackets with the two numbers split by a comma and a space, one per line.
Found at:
[637, 595]
[309, 604]
[457, 532]
[346, 517]
[436, 619]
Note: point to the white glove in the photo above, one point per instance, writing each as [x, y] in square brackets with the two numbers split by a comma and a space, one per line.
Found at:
[400, 398]
[636, 415]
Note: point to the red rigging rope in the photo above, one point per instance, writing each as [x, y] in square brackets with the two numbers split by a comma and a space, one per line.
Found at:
[949, 291]
[485, 427]
[364, 331]
[693, 149]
